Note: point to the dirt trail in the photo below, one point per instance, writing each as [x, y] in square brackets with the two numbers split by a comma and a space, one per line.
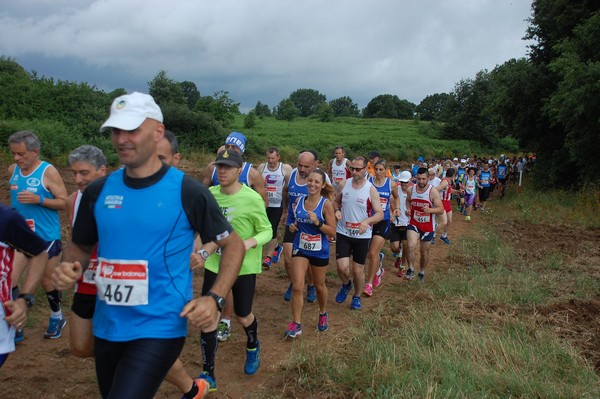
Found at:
[46, 369]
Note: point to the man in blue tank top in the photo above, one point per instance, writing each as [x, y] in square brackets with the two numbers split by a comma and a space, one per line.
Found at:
[37, 192]
[144, 217]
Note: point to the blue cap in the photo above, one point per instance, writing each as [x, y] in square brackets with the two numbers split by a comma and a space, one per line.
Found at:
[420, 159]
[237, 139]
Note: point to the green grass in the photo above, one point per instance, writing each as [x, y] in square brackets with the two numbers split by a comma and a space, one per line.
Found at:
[396, 140]
[426, 352]
[473, 331]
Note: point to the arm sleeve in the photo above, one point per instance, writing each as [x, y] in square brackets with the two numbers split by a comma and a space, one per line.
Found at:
[262, 225]
[203, 212]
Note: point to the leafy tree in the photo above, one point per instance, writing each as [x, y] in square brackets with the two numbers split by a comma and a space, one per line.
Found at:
[389, 106]
[250, 120]
[165, 90]
[325, 113]
[194, 129]
[344, 106]
[470, 116]
[307, 101]
[220, 106]
[433, 107]
[261, 110]
[286, 110]
[190, 93]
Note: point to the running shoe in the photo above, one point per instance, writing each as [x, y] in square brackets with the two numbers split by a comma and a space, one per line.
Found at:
[55, 327]
[343, 293]
[277, 254]
[252, 360]
[294, 329]
[421, 277]
[445, 239]
[468, 218]
[212, 382]
[410, 274]
[378, 277]
[202, 386]
[267, 262]
[323, 322]
[369, 289]
[288, 294]
[223, 331]
[19, 336]
[311, 294]
[355, 305]
[397, 262]
[401, 272]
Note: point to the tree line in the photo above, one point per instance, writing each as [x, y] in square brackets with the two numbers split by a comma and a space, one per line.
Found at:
[549, 101]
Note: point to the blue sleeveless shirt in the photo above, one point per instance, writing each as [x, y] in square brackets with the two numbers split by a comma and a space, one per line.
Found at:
[137, 226]
[310, 240]
[44, 221]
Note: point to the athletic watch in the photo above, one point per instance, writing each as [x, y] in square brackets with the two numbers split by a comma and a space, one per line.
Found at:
[29, 299]
[204, 253]
[218, 299]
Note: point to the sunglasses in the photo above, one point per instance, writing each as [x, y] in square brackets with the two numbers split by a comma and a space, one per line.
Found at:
[352, 169]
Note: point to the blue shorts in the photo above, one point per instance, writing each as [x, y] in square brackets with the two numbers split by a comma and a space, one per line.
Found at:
[425, 236]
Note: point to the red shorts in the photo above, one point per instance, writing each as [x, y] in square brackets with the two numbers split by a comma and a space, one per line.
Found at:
[447, 206]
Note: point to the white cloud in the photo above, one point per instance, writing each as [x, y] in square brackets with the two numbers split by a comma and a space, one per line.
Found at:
[263, 50]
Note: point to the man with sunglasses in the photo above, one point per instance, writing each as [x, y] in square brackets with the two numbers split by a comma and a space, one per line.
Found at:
[357, 208]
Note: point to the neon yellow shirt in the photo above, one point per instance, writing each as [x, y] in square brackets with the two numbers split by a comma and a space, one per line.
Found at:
[245, 211]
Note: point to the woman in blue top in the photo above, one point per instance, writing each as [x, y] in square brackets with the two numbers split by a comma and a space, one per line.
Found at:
[388, 195]
[314, 221]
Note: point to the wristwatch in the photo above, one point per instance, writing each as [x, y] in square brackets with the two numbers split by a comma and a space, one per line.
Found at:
[218, 299]
[29, 299]
[204, 253]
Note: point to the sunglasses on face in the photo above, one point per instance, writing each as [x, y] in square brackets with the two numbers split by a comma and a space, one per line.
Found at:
[352, 168]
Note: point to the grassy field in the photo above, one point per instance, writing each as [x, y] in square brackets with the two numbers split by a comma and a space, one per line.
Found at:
[395, 139]
[491, 327]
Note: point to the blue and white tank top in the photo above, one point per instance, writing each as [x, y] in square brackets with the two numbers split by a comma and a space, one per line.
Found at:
[295, 190]
[44, 221]
[385, 195]
[310, 240]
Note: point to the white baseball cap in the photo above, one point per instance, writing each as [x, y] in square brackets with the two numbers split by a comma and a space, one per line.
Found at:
[405, 176]
[129, 111]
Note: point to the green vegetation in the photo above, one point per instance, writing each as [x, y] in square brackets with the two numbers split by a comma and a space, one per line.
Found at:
[473, 331]
[396, 140]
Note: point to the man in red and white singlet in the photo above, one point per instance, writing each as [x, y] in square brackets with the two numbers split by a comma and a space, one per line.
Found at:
[87, 163]
[357, 207]
[422, 204]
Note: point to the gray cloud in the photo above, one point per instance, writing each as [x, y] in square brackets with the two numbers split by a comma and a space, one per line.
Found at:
[263, 50]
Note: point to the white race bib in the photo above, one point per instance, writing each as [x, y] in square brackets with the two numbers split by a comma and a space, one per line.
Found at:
[353, 229]
[89, 276]
[422, 217]
[309, 242]
[122, 282]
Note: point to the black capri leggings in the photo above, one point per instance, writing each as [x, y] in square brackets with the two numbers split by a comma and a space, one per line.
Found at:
[242, 290]
[134, 369]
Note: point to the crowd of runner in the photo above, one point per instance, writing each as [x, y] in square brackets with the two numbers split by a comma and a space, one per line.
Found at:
[140, 232]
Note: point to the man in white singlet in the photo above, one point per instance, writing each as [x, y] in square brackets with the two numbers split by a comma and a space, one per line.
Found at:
[339, 167]
[357, 208]
[277, 176]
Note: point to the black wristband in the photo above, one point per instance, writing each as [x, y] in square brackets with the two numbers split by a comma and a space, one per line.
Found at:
[320, 224]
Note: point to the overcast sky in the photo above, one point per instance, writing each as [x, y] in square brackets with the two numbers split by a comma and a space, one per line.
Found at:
[262, 50]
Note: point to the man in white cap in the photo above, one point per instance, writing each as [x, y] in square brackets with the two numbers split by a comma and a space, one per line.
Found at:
[144, 217]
